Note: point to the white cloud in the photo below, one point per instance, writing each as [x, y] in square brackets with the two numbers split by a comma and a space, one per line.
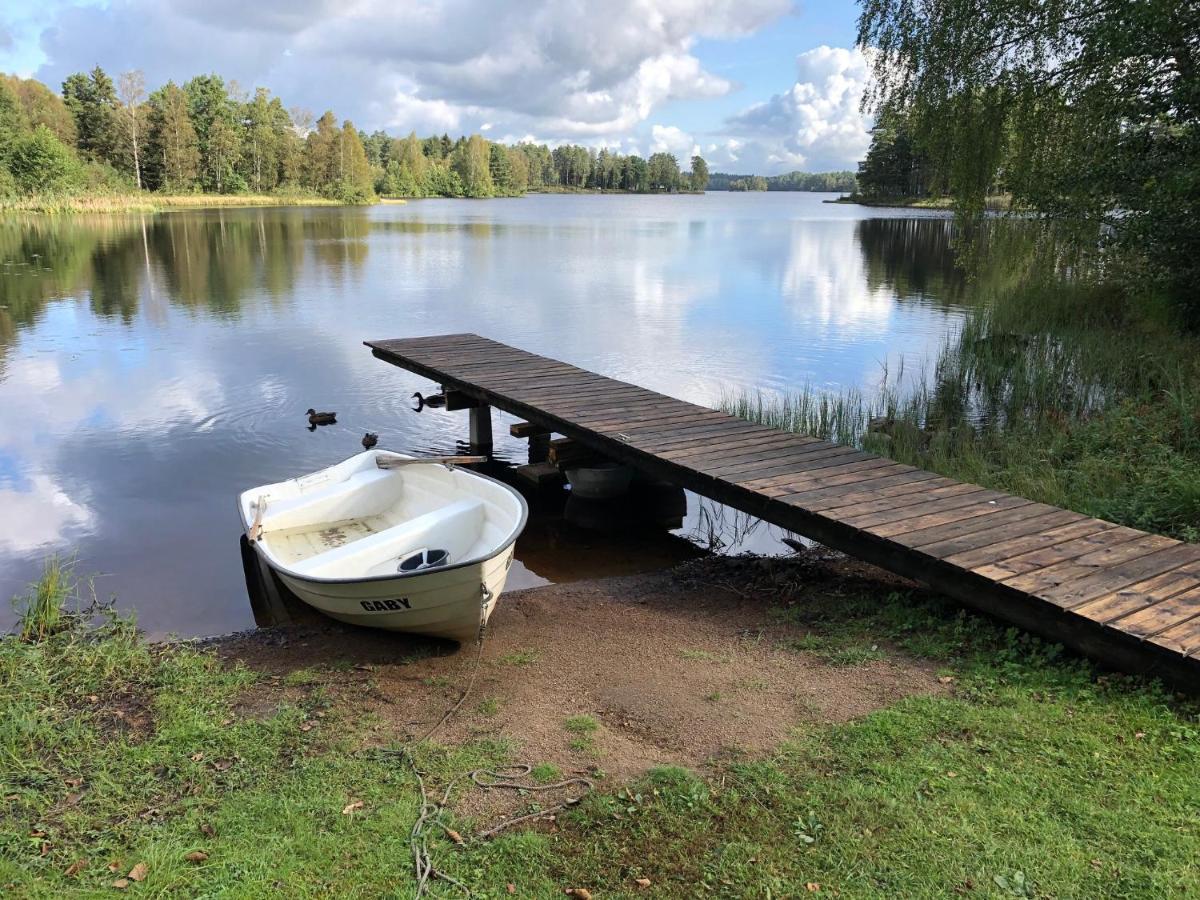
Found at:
[669, 139]
[816, 125]
[560, 69]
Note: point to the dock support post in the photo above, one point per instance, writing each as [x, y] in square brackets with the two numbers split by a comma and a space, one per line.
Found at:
[481, 429]
[539, 448]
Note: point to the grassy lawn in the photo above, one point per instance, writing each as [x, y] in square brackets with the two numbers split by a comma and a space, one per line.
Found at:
[1036, 777]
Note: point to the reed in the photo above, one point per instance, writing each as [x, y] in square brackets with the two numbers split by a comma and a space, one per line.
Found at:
[1072, 394]
[43, 610]
[147, 202]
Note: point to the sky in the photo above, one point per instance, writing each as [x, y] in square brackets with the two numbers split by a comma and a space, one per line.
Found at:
[755, 86]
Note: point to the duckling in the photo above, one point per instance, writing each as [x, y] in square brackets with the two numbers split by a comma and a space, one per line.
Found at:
[321, 418]
[370, 439]
[433, 401]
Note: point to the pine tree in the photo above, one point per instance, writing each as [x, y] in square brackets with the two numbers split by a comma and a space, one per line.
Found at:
[92, 101]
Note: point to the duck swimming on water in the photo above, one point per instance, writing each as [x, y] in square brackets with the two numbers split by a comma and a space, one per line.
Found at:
[433, 401]
[370, 439]
[321, 418]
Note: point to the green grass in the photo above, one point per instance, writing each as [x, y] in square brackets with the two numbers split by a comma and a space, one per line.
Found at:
[582, 724]
[489, 706]
[1037, 776]
[520, 658]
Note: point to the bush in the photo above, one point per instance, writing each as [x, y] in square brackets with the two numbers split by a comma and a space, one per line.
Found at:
[41, 164]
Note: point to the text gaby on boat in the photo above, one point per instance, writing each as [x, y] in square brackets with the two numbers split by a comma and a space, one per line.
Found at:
[391, 541]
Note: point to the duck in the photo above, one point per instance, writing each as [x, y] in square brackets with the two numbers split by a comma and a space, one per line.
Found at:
[370, 439]
[433, 401]
[321, 418]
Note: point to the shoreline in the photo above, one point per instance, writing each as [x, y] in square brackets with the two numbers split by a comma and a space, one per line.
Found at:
[1002, 202]
[148, 202]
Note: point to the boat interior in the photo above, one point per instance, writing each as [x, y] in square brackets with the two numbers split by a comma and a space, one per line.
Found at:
[356, 520]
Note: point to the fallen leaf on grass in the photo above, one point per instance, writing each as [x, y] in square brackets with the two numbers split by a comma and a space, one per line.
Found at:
[454, 836]
[45, 847]
[138, 872]
[196, 757]
[207, 830]
[222, 765]
[121, 883]
[196, 856]
[72, 799]
[73, 782]
[642, 882]
[306, 726]
[812, 887]
[351, 807]
[116, 865]
[945, 679]
[512, 888]
[581, 893]
[75, 868]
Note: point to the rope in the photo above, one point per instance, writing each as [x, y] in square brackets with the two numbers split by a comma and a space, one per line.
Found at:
[503, 778]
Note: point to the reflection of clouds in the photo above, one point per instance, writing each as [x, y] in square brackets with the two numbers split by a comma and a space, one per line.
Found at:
[824, 280]
[40, 515]
[58, 397]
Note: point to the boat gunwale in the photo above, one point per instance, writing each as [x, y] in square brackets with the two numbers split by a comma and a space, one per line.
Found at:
[396, 576]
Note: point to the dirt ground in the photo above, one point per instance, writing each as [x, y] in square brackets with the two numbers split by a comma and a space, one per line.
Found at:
[671, 672]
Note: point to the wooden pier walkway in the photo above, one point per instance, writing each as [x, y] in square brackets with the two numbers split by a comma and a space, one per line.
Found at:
[1129, 599]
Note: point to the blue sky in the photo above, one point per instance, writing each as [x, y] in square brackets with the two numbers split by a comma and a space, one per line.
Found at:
[754, 85]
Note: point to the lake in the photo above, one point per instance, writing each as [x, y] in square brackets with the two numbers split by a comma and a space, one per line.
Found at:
[153, 366]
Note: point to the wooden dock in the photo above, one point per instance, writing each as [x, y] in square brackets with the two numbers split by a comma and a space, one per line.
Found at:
[1128, 599]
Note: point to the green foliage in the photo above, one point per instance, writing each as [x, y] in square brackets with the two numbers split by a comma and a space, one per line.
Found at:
[200, 137]
[92, 101]
[1088, 113]
[791, 181]
[893, 167]
[471, 161]
[663, 172]
[41, 164]
[749, 183]
[173, 150]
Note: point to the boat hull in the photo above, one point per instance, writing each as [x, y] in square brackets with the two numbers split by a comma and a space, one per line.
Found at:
[445, 604]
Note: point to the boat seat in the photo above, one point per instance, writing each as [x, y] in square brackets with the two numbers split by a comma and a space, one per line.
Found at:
[436, 528]
[320, 504]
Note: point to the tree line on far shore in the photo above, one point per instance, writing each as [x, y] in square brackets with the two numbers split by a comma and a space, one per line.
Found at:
[208, 135]
[791, 181]
[475, 167]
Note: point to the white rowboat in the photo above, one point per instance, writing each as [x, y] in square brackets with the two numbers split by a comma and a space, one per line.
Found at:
[390, 541]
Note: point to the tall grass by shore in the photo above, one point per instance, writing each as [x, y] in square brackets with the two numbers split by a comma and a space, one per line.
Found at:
[148, 202]
[1075, 394]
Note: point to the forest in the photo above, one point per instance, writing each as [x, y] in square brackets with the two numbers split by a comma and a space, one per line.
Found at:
[210, 136]
[792, 181]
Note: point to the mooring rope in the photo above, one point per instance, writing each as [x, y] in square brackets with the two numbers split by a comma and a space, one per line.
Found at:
[503, 777]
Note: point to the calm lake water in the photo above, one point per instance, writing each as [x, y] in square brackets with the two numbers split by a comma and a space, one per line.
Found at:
[153, 366]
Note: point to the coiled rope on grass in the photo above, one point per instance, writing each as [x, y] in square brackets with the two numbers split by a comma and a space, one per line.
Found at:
[501, 778]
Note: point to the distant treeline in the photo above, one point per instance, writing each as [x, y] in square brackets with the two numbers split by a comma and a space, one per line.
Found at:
[792, 181]
[209, 136]
[426, 167]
